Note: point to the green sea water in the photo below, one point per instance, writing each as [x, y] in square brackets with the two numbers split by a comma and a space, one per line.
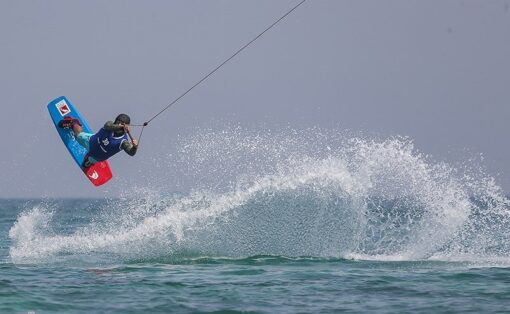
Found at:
[111, 279]
[295, 222]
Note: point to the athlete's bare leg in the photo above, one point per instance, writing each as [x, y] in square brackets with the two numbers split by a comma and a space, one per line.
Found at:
[77, 129]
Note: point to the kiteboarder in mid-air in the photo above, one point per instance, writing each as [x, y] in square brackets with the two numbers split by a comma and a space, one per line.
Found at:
[111, 139]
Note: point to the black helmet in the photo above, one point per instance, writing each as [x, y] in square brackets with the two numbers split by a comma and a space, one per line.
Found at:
[122, 118]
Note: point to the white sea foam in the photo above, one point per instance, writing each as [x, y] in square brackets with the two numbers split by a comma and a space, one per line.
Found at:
[292, 193]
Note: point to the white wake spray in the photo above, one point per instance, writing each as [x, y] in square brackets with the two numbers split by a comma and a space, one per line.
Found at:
[292, 193]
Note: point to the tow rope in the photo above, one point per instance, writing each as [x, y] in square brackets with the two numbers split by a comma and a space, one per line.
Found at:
[215, 69]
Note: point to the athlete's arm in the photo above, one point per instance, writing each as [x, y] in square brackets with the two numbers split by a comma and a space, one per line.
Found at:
[110, 126]
[129, 148]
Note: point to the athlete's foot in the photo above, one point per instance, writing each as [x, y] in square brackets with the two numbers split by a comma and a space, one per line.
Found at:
[68, 122]
[86, 162]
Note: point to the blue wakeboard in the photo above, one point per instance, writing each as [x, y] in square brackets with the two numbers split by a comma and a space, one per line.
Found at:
[99, 173]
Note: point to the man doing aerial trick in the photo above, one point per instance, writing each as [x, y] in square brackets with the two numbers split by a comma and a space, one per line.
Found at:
[111, 139]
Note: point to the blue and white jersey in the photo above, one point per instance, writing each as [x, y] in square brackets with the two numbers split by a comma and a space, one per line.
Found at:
[104, 144]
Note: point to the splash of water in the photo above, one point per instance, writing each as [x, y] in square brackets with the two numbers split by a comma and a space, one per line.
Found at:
[292, 193]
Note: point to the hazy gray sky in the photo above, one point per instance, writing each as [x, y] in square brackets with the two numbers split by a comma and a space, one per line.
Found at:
[436, 71]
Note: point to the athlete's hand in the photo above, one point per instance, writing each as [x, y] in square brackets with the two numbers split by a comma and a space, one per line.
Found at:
[135, 143]
[126, 127]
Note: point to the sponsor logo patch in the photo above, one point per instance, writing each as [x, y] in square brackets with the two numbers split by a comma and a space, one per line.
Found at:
[94, 175]
[63, 108]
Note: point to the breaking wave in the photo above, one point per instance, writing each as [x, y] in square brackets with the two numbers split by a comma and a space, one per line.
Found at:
[290, 193]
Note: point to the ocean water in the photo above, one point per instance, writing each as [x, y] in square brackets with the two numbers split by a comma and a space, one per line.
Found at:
[290, 222]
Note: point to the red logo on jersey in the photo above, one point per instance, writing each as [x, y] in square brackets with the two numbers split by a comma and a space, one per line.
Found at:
[63, 109]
